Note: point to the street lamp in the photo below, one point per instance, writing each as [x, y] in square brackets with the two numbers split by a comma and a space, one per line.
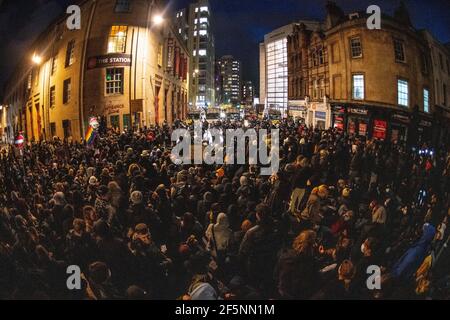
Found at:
[37, 59]
[158, 19]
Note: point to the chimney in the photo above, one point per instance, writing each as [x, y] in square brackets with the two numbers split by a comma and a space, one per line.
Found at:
[401, 14]
[335, 15]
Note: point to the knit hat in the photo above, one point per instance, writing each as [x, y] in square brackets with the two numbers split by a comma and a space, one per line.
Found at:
[136, 197]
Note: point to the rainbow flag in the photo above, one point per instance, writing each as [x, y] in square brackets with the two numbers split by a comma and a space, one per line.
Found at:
[90, 136]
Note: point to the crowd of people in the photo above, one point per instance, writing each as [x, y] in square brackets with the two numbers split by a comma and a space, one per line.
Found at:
[340, 210]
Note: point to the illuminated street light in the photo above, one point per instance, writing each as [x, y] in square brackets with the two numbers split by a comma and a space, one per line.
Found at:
[36, 59]
[158, 19]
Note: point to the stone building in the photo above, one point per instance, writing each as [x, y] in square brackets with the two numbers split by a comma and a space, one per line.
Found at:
[370, 83]
[127, 66]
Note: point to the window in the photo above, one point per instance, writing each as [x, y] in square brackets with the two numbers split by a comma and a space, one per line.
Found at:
[126, 121]
[202, 52]
[358, 86]
[196, 9]
[122, 6]
[321, 57]
[117, 39]
[53, 129]
[70, 53]
[399, 51]
[444, 89]
[203, 20]
[204, 9]
[52, 97]
[355, 47]
[114, 81]
[424, 63]
[195, 33]
[67, 127]
[160, 55]
[203, 32]
[403, 93]
[67, 90]
[426, 100]
[29, 81]
[54, 64]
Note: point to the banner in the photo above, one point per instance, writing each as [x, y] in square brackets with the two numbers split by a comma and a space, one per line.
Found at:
[170, 55]
[379, 129]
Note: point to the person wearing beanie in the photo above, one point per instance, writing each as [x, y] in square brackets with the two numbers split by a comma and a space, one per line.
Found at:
[139, 213]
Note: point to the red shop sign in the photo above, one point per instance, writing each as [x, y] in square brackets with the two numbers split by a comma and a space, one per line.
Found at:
[379, 129]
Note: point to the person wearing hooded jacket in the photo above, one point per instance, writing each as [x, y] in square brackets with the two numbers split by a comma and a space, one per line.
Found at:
[219, 236]
[408, 264]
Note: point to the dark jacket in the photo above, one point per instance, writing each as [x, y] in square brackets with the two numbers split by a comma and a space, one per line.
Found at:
[296, 275]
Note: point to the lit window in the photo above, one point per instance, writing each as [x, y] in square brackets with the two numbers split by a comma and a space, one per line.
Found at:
[181, 13]
[399, 50]
[194, 53]
[204, 9]
[70, 53]
[178, 15]
[52, 97]
[160, 55]
[179, 31]
[355, 47]
[67, 90]
[202, 52]
[122, 6]
[426, 100]
[403, 92]
[203, 32]
[195, 33]
[117, 39]
[196, 9]
[195, 21]
[203, 20]
[54, 64]
[114, 81]
[358, 86]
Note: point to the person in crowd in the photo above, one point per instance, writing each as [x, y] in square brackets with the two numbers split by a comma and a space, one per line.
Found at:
[141, 226]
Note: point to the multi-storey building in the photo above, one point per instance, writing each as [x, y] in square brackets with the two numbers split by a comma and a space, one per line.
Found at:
[229, 70]
[248, 93]
[273, 60]
[370, 83]
[201, 47]
[126, 65]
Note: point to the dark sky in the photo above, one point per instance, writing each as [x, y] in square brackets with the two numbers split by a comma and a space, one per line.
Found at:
[240, 25]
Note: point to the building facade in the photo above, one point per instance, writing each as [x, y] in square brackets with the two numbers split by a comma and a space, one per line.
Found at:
[248, 93]
[228, 80]
[200, 43]
[370, 83]
[121, 66]
[273, 59]
[440, 65]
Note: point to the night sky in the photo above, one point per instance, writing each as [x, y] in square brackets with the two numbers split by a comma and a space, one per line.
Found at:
[240, 25]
